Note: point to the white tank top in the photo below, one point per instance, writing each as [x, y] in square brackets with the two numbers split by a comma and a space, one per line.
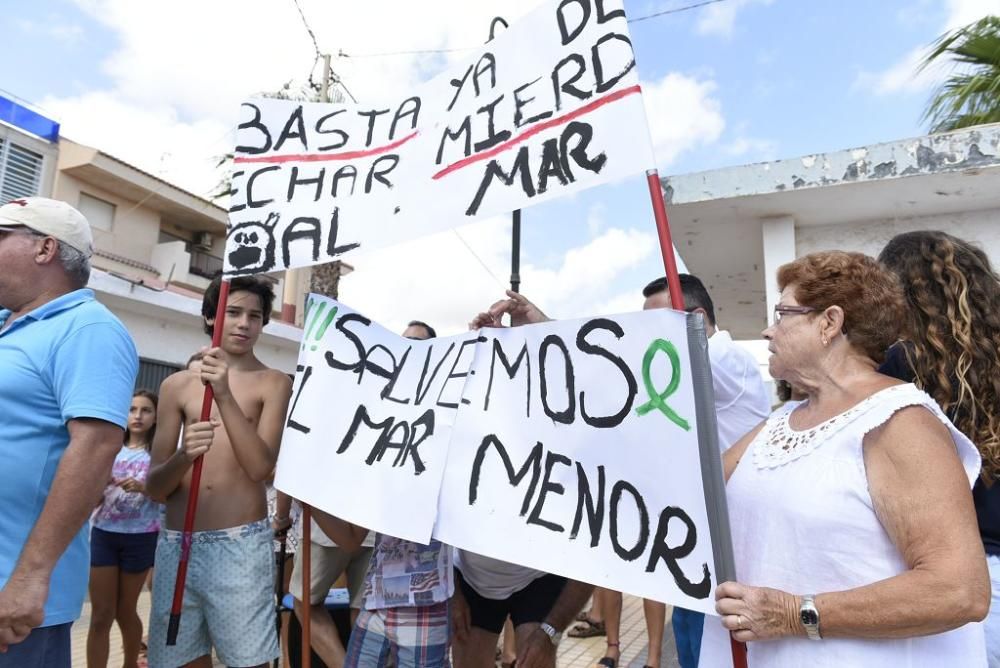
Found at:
[804, 522]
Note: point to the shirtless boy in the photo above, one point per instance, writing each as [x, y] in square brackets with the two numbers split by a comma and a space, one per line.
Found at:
[228, 599]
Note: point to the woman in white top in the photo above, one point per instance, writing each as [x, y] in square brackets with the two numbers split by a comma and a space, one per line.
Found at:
[853, 526]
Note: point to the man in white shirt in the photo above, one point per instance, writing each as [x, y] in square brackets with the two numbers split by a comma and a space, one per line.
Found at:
[741, 403]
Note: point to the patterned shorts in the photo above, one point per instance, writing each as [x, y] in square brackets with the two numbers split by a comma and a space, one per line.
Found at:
[228, 597]
[416, 637]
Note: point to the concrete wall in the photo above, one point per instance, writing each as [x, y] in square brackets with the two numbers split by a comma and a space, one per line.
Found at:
[980, 227]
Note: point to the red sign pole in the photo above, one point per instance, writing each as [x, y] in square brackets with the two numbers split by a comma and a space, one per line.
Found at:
[677, 301]
[192, 505]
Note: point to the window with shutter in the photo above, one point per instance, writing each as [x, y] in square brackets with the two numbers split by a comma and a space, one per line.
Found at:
[20, 171]
[100, 214]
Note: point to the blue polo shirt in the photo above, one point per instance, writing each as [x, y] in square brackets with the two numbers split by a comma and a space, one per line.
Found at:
[69, 358]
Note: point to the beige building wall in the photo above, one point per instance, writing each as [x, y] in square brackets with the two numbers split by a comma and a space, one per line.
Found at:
[135, 230]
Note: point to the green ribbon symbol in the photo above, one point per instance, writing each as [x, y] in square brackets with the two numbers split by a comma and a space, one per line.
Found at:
[656, 399]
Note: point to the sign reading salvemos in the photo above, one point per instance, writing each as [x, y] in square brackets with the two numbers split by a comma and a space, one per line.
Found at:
[571, 447]
[549, 107]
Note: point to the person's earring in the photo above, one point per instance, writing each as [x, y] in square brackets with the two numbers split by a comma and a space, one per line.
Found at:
[825, 342]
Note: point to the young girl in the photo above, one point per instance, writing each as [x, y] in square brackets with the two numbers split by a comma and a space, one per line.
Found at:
[123, 540]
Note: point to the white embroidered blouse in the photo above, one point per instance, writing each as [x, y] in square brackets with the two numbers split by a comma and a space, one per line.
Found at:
[803, 521]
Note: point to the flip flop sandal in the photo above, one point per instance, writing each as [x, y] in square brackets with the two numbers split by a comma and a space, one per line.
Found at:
[608, 662]
[582, 616]
[587, 629]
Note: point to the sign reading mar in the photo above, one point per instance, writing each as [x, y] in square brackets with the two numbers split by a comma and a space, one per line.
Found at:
[549, 107]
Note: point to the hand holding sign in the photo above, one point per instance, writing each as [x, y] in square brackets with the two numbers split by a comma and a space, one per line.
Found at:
[517, 306]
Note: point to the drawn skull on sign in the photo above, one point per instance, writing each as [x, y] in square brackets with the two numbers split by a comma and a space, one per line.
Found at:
[252, 245]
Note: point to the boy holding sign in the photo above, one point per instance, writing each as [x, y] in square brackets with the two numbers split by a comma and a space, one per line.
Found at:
[228, 601]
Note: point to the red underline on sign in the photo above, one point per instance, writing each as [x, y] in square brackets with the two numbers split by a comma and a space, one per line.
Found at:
[327, 157]
[541, 127]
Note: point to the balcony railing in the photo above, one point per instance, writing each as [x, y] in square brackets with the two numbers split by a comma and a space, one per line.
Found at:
[205, 265]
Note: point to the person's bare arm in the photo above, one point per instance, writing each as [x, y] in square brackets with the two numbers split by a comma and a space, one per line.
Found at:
[282, 512]
[167, 463]
[80, 479]
[348, 536]
[922, 498]
[538, 651]
[256, 450]
[570, 602]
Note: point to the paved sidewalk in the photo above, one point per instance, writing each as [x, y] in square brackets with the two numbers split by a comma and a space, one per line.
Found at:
[573, 652]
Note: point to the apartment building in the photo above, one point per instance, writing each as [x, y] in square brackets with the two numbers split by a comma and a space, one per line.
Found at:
[156, 245]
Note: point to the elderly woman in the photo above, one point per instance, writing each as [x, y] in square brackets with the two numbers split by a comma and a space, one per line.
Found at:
[951, 350]
[853, 526]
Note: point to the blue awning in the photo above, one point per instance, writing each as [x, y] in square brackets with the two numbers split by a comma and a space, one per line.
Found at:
[31, 121]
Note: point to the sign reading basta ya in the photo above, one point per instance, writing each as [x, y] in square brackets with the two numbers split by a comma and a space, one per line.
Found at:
[551, 106]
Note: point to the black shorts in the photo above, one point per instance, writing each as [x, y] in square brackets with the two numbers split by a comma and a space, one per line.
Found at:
[131, 552]
[531, 604]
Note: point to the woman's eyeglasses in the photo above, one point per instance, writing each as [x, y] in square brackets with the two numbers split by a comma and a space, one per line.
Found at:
[781, 310]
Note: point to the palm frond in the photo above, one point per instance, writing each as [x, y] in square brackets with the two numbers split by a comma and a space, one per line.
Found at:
[971, 94]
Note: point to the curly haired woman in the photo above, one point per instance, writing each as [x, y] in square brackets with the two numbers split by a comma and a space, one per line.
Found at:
[951, 350]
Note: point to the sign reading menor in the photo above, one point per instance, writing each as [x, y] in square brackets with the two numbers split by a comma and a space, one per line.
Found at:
[572, 447]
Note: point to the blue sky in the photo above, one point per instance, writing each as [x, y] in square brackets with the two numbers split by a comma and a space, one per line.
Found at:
[157, 83]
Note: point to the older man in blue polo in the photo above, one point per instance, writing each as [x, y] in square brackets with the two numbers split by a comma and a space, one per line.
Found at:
[68, 368]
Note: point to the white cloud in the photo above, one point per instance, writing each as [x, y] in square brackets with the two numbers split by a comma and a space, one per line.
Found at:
[586, 273]
[152, 138]
[181, 68]
[439, 280]
[596, 218]
[626, 302]
[720, 18]
[902, 76]
[436, 279]
[964, 12]
[757, 149]
[682, 114]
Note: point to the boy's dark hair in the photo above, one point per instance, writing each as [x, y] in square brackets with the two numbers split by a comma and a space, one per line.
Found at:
[259, 287]
[420, 323]
[693, 290]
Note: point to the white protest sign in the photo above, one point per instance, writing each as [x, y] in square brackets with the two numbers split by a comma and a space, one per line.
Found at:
[548, 108]
[578, 455]
[570, 447]
[368, 425]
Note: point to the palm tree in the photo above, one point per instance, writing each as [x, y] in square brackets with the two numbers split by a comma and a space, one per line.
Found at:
[971, 95]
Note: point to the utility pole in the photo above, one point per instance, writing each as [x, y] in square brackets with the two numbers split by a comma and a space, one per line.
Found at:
[325, 278]
[290, 293]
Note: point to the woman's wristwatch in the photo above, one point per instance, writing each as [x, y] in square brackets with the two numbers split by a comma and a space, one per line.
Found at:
[809, 616]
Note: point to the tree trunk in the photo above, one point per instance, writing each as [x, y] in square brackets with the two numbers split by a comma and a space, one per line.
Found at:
[326, 279]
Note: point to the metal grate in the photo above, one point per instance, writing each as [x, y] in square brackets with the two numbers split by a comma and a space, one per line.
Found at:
[20, 171]
[152, 373]
[204, 264]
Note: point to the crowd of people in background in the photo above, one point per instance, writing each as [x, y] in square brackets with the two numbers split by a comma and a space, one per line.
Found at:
[864, 511]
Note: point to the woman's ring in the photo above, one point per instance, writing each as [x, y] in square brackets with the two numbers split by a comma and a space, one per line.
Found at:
[739, 622]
